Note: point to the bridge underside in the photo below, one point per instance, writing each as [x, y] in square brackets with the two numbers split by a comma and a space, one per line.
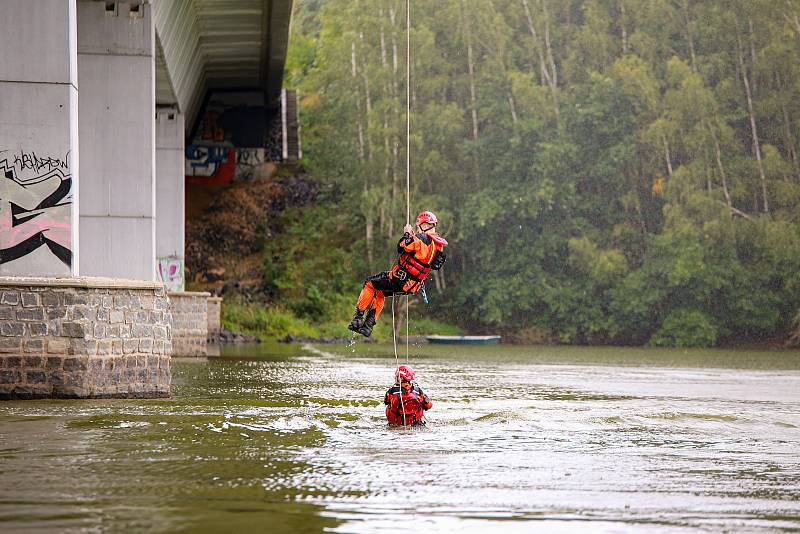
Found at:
[98, 102]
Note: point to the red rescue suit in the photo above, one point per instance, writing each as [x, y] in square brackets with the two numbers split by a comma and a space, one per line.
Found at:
[408, 407]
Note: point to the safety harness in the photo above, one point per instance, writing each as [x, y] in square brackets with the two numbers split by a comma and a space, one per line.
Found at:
[405, 408]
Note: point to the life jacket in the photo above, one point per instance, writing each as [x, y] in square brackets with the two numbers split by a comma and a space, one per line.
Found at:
[408, 412]
[413, 270]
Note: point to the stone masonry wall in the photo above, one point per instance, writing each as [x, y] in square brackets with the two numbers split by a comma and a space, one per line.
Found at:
[83, 338]
[214, 316]
[189, 323]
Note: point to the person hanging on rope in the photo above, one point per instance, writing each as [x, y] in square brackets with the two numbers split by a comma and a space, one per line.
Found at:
[419, 254]
[405, 402]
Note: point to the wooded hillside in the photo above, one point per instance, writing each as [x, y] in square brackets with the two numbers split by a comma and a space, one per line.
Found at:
[607, 171]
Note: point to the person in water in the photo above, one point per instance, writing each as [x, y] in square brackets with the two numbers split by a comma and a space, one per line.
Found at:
[419, 254]
[405, 402]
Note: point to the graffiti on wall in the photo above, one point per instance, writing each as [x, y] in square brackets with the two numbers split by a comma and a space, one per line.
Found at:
[170, 271]
[210, 164]
[236, 136]
[222, 165]
[35, 209]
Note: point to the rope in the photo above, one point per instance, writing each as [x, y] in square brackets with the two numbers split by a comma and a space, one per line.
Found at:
[408, 111]
[408, 198]
[408, 143]
[397, 364]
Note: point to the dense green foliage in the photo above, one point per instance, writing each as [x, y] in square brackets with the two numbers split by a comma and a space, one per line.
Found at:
[607, 171]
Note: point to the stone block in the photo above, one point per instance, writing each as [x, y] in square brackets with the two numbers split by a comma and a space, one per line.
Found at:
[38, 329]
[56, 313]
[9, 297]
[72, 298]
[130, 346]
[103, 314]
[142, 330]
[29, 300]
[74, 379]
[32, 391]
[7, 313]
[70, 329]
[13, 362]
[75, 365]
[35, 377]
[57, 377]
[130, 361]
[51, 298]
[10, 377]
[104, 346]
[146, 345]
[12, 329]
[116, 316]
[9, 345]
[147, 302]
[33, 361]
[116, 346]
[159, 332]
[100, 330]
[135, 302]
[83, 347]
[57, 346]
[83, 312]
[34, 345]
[121, 302]
[54, 362]
[30, 314]
[108, 301]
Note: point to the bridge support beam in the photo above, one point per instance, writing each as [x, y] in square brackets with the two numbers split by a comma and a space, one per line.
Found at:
[170, 197]
[116, 63]
[38, 138]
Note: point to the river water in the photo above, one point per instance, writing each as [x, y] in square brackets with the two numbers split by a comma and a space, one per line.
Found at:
[284, 438]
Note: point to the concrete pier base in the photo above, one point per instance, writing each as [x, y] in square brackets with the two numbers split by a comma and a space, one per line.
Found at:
[84, 338]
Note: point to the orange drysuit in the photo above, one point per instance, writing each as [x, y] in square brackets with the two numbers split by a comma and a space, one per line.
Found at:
[419, 254]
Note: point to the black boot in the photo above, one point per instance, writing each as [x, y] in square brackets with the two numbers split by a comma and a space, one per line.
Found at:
[357, 322]
[369, 322]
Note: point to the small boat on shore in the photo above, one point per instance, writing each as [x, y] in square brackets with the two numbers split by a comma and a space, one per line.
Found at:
[464, 340]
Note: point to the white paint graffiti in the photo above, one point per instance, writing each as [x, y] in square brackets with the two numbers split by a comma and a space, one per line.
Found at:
[170, 271]
[35, 213]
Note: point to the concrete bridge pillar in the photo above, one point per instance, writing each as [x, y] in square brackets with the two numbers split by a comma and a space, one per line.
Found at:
[38, 138]
[116, 64]
[170, 197]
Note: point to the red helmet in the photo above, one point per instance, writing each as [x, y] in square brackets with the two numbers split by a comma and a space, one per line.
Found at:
[427, 217]
[404, 372]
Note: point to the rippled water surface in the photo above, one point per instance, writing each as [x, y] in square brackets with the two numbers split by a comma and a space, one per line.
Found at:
[293, 439]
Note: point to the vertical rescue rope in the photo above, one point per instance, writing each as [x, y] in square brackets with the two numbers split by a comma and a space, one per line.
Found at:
[408, 142]
[397, 366]
[408, 201]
